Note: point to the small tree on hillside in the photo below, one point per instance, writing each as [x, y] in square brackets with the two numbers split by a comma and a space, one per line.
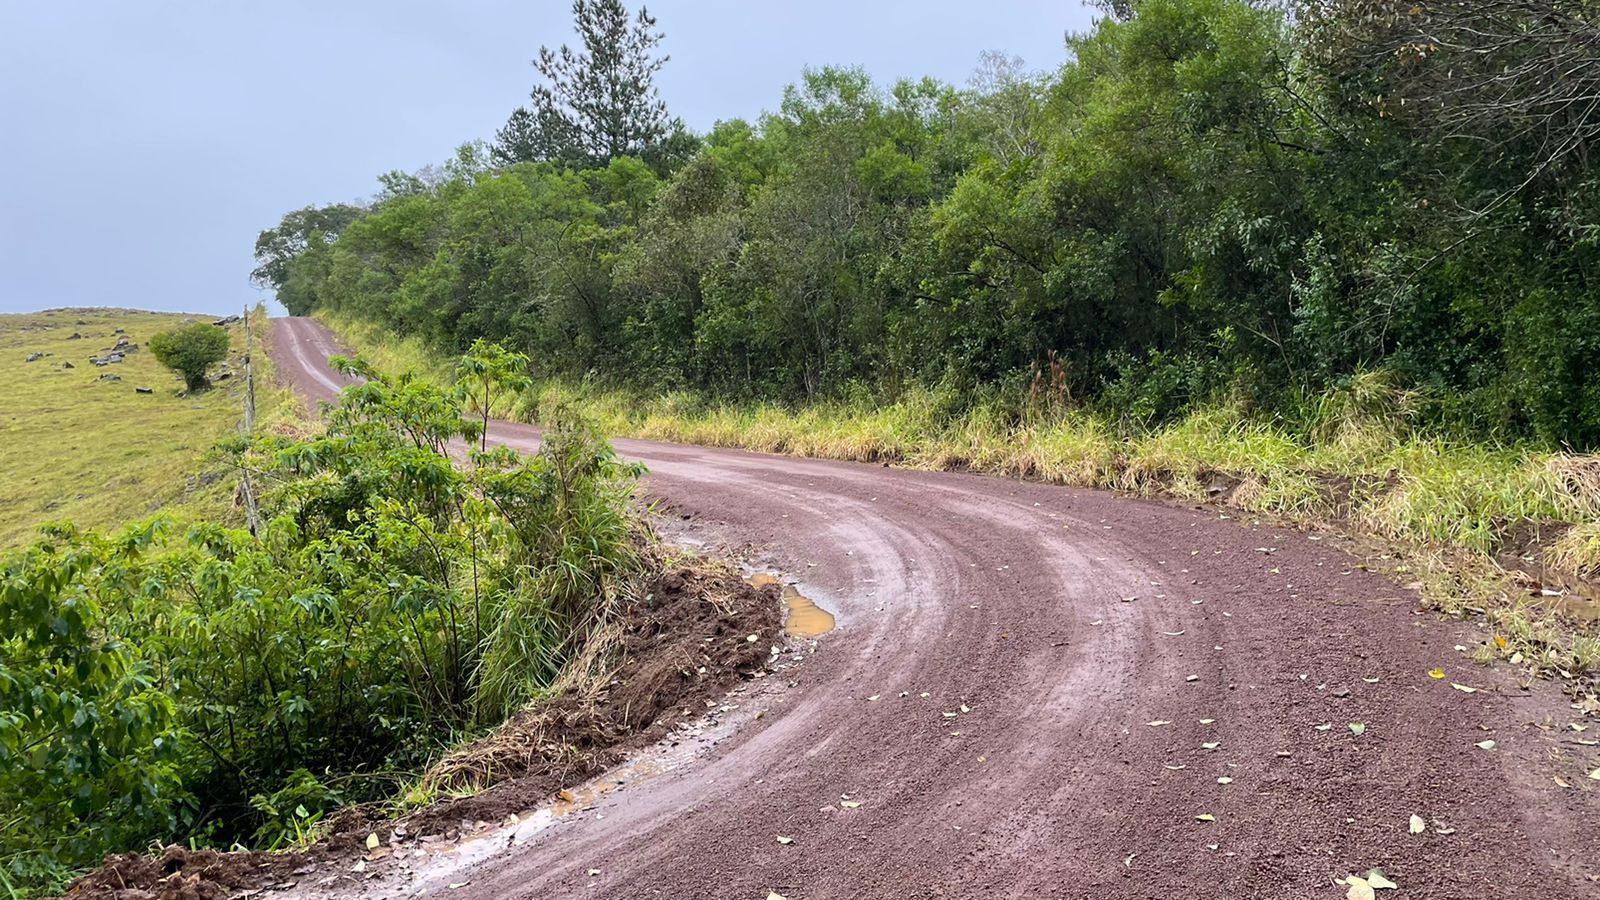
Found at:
[191, 351]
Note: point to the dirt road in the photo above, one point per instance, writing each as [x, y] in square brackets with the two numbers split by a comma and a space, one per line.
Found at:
[1044, 692]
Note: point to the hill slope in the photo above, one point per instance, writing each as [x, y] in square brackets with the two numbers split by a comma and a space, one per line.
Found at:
[80, 442]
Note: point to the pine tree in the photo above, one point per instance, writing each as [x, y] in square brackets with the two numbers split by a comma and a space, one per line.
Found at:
[597, 103]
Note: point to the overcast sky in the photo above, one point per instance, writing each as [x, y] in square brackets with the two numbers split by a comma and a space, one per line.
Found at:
[146, 143]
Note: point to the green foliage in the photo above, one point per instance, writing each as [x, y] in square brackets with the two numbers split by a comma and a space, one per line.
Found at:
[598, 103]
[217, 685]
[191, 351]
[89, 742]
[1210, 199]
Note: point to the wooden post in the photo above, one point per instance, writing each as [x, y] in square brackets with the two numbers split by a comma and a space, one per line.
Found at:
[251, 512]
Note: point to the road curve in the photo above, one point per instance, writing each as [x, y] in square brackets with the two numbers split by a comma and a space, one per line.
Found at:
[1038, 691]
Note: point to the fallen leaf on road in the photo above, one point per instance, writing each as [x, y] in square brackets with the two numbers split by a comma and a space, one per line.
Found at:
[1210, 745]
[1418, 825]
[1207, 721]
[1326, 726]
[774, 895]
[1485, 745]
[1192, 678]
[1206, 817]
[1173, 633]
[1177, 767]
[1358, 728]
[965, 708]
[753, 638]
[1436, 673]
[1463, 688]
[1359, 889]
[850, 804]
[1158, 723]
[1595, 775]
[1560, 782]
[1373, 680]
[594, 872]
[1224, 780]
[873, 697]
[785, 840]
[372, 841]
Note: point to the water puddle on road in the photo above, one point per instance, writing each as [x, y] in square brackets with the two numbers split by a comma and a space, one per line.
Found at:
[1577, 606]
[1571, 597]
[802, 618]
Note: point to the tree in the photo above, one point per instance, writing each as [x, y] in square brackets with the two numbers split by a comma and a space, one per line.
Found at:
[600, 102]
[191, 351]
[488, 368]
[277, 247]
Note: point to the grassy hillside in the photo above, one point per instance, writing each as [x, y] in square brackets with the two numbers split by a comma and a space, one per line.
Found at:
[82, 444]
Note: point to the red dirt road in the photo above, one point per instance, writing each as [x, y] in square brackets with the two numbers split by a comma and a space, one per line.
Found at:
[1035, 691]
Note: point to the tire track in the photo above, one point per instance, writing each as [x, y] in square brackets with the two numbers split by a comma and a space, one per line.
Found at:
[1255, 647]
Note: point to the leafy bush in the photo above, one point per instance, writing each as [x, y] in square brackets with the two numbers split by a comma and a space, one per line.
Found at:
[89, 743]
[191, 351]
[215, 684]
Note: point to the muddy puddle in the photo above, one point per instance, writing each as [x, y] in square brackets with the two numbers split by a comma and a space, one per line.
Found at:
[802, 618]
[1583, 607]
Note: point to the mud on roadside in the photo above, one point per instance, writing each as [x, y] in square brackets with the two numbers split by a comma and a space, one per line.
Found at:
[678, 649]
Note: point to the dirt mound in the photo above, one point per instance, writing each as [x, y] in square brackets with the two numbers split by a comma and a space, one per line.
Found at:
[683, 644]
[180, 874]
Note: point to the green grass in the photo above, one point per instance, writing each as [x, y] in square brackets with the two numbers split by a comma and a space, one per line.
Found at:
[95, 452]
[1444, 508]
[394, 355]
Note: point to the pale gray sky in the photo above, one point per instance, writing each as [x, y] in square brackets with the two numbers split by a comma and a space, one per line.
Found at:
[146, 143]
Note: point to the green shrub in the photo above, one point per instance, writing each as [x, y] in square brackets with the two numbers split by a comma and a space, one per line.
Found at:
[191, 351]
[89, 747]
[223, 686]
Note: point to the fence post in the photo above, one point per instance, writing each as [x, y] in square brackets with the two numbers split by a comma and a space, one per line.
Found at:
[252, 514]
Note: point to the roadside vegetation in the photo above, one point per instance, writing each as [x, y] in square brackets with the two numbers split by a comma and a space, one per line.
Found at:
[205, 684]
[81, 444]
[1482, 529]
[1332, 264]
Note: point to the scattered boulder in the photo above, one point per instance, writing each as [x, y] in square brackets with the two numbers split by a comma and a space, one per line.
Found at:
[118, 331]
[75, 336]
[110, 377]
[143, 390]
[36, 355]
[227, 320]
[67, 365]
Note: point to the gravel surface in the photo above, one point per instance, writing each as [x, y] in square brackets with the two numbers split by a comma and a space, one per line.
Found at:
[1043, 691]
